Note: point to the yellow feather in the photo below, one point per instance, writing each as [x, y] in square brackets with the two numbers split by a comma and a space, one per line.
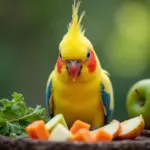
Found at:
[74, 43]
[80, 99]
[75, 26]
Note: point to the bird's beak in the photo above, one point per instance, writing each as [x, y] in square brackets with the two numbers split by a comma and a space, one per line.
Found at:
[74, 67]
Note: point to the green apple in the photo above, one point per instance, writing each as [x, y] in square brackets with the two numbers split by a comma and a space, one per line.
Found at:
[60, 133]
[58, 119]
[138, 101]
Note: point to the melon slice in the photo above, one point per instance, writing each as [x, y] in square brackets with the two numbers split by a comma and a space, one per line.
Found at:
[78, 124]
[131, 128]
[58, 119]
[60, 133]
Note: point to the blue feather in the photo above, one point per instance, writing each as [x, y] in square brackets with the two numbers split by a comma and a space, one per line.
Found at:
[48, 95]
[106, 102]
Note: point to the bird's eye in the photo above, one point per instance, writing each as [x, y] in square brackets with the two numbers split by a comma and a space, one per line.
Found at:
[60, 56]
[88, 55]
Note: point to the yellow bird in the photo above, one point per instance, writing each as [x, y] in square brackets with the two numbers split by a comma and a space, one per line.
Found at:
[78, 87]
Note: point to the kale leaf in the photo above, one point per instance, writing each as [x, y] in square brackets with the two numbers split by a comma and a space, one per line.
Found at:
[15, 115]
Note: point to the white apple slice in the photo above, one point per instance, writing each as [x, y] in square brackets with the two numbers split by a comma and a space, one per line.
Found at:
[60, 133]
[58, 119]
[113, 128]
[131, 128]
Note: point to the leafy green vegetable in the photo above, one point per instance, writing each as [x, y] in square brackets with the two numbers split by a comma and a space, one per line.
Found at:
[15, 116]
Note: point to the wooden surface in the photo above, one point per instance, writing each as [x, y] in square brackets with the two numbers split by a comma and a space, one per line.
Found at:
[142, 142]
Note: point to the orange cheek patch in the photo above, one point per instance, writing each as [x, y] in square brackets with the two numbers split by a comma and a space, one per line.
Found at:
[92, 62]
[59, 65]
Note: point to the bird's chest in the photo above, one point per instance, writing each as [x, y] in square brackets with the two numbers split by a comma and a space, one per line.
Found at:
[77, 101]
[76, 93]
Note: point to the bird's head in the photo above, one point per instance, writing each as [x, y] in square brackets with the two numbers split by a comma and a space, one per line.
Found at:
[77, 58]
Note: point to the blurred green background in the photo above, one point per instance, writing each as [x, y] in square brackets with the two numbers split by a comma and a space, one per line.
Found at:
[30, 32]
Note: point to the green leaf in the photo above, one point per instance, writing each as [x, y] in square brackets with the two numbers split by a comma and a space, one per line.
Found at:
[15, 116]
[14, 108]
[23, 135]
[9, 113]
[20, 108]
[6, 129]
[2, 121]
[29, 110]
[5, 102]
[15, 128]
[37, 114]
[17, 97]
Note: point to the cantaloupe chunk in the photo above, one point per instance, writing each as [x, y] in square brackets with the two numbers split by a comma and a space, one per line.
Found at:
[37, 130]
[79, 125]
[107, 132]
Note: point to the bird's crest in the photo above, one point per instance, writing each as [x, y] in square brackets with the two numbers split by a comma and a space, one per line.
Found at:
[75, 34]
[75, 26]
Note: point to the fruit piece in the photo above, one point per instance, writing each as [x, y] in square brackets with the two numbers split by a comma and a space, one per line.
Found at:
[111, 129]
[60, 133]
[138, 100]
[30, 131]
[79, 125]
[58, 119]
[83, 135]
[131, 128]
[102, 135]
[37, 130]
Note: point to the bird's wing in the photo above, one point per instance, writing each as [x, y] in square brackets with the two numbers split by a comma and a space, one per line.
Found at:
[107, 97]
[49, 98]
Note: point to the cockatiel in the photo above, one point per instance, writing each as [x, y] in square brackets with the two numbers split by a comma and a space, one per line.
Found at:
[78, 87]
